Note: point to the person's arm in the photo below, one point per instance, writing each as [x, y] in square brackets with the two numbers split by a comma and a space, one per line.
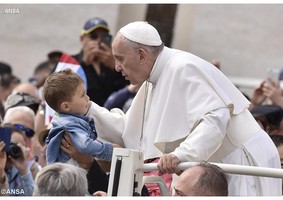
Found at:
[27, 183]
[3, 177]
[117, 99]
[95, 148]
[84, 160]
[109, 124]
[4, 185]
[105, 56]
[25, 175]
[201, 143]
[94, 174]
[40, 125]
[100, 194]
[258, 96]
[90, 49]
[85, 143]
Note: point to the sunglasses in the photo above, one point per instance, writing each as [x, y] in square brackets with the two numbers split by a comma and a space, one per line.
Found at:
[28, 131]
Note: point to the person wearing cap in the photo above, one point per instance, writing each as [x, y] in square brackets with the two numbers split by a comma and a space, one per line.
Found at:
[3, 177]
[97, 61]
[20, 171]
[21, 99]
[27, 94]
[186, 110]
[23, 118]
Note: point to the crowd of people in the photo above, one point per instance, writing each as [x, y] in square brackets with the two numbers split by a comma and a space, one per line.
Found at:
[138, 94]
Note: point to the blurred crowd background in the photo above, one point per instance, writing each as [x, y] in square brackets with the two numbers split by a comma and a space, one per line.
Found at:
[245, 38]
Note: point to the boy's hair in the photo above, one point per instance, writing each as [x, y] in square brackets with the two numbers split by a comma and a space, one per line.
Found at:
[59, 87]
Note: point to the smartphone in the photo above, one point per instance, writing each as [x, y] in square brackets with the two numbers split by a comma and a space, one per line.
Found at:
[106, 39]
[5, 135]
[273, 74]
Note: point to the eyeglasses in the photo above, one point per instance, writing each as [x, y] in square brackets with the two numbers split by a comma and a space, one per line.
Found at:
[28, 131]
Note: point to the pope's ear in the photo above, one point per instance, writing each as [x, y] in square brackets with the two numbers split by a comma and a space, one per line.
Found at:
[142, 55]
[64, 106]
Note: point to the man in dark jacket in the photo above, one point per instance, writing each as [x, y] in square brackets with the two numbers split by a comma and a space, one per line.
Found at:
[97, 61]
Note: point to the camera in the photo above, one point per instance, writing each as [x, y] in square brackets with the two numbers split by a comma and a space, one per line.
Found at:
[15, 151]
[106, 39]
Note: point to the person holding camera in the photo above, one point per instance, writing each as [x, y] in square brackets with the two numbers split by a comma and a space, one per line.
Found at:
[97, 61]
[20, 172]
[3, 177]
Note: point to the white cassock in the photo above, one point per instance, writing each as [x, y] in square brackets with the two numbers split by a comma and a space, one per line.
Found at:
[189, 108]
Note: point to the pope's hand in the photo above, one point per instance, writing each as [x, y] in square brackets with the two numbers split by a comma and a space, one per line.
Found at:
[168, 163]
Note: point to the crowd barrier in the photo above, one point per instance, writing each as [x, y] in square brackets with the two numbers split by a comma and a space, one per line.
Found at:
[127, 168]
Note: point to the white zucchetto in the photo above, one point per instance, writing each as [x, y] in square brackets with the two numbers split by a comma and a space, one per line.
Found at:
[141, 32]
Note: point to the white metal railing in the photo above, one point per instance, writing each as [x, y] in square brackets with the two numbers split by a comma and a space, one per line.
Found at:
[229, 168]
[128, 179]
[245, 82]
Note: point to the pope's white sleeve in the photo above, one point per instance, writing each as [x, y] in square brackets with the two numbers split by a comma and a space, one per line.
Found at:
[206, 138]
[109, 124]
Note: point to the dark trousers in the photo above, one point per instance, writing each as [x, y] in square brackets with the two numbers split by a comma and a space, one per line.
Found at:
[98, 180]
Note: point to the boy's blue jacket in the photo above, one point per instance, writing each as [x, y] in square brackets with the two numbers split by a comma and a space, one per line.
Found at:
[82, 131]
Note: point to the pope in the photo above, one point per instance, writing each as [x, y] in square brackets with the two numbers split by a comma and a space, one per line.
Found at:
[185, 110]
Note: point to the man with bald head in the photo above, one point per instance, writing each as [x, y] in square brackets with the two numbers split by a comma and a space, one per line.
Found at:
[185, 110]
[203, 179]
[24, 119]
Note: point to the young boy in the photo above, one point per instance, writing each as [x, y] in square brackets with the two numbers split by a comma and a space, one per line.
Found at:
[64, 92]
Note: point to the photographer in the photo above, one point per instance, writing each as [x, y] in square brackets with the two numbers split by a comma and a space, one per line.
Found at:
[3, 177]
[19, 170]
[97, 61]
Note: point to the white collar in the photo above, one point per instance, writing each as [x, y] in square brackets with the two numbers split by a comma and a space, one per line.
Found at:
[158, 66]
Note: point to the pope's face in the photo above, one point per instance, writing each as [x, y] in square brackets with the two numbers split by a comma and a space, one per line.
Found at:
[128, 61]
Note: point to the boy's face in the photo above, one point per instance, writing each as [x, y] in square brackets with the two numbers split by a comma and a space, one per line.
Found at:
[79, 103]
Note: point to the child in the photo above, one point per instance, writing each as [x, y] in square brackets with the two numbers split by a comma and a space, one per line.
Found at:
[64, 92]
